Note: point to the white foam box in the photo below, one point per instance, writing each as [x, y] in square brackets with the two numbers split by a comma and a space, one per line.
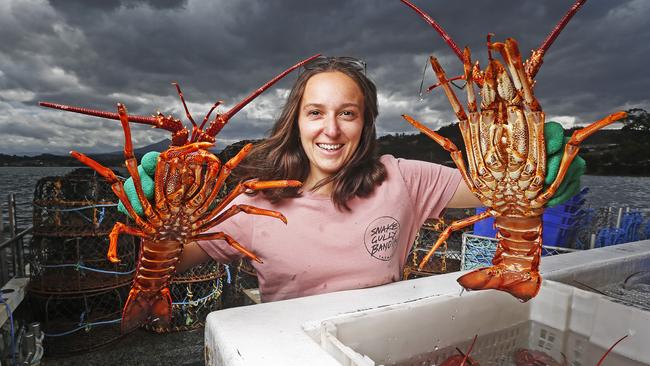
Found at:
[568, 322]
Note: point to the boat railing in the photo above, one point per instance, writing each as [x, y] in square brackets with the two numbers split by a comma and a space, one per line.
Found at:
[16, 262]
[12, 244]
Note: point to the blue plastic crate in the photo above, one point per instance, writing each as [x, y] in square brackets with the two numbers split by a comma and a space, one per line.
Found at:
[558, 221]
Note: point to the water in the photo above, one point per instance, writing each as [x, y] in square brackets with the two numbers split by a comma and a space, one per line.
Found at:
[633, 192]
[21, 182]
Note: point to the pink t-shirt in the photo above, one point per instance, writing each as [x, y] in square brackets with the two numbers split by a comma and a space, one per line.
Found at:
[322, 249]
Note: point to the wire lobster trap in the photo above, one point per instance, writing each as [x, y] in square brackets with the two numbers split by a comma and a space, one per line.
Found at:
[80, 203]
[75, 292]
[240, 276]
[478, 251]
[447, 258]
[80, 322]
[195, 293]
[72, 265]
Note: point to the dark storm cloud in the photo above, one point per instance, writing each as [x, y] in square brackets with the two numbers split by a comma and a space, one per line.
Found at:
[96, 53]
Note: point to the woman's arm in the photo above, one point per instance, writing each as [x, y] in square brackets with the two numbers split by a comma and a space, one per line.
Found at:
[192, 255]
[463, 198]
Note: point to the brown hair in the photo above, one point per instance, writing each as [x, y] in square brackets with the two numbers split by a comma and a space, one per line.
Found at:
[281, 155]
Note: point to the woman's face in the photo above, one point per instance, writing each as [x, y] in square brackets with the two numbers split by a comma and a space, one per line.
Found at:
[330, 120]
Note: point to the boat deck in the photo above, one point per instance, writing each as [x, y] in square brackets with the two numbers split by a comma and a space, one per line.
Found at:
[141, 348]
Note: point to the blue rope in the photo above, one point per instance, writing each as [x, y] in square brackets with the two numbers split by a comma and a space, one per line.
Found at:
[195, 302]
[13, 340]
[227, 273]
[76, 208]
[83, 326]
[101, 215]
[81, 266]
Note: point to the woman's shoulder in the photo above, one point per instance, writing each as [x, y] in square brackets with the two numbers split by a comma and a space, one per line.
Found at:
[408, 166]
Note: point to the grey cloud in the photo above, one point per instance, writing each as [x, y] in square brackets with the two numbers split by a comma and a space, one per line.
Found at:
[94, 54]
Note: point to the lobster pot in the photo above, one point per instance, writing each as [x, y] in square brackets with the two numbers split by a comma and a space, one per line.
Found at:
[75, 292]
[446, 258]
[76, 264]
[80, 203]
[243, 277]
[80, 322]
[195, 293]
[477, 251]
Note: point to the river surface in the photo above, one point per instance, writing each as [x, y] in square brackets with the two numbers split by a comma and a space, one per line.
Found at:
[604, 191]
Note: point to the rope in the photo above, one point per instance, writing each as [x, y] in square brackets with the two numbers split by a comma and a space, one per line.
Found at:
[227, 267]
[13, 339]
[78, 266]
[86, 326]
[78, 209]
[201, 300]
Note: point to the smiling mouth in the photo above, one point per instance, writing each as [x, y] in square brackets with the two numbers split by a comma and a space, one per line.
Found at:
[330, 147]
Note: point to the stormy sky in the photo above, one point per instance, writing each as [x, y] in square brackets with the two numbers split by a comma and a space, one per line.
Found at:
[97, 53]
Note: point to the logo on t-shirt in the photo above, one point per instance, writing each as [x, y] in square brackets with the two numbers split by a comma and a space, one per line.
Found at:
[381, 238]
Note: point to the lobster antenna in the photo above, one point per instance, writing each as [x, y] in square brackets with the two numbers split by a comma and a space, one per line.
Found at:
[489, 43]
[173, 126]
[187, 111]
[560, 25]
[610, 350]
[221, 120]
[535, 60]
[438, 29]
[205, 119]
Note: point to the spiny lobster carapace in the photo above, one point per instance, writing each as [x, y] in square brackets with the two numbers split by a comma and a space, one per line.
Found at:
[506, 156]
[188, 179]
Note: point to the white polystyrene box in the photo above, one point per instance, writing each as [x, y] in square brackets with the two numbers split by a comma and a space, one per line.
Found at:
[566, 318]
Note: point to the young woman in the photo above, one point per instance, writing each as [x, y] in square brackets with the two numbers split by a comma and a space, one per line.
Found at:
[354, 219]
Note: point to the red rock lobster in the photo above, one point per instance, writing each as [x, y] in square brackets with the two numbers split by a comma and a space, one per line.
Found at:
[188, 179]
[506, 155]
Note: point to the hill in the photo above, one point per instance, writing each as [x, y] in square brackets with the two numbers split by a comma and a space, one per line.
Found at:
[608, 152]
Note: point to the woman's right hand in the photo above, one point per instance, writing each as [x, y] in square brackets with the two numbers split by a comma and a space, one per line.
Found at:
[191, 256]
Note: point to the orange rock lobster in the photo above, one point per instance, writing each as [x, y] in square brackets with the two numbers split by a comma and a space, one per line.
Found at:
[188, 178]
[506, 155]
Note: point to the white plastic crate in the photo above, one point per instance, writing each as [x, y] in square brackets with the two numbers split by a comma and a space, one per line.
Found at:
[561, 320]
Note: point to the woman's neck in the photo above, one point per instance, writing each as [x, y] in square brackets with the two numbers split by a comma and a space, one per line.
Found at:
[311, 181]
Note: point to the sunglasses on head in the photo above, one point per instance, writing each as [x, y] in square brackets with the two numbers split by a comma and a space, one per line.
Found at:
[321, 61]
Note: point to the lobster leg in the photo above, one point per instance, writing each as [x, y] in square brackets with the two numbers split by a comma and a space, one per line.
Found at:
[232, 242]
[223, 175]
[453, 99]
[233, 210]
[471, 132]
[196, 180]
[570, 151]
[177, 161]
[118, 229]
[456, 155]
[252, 185]
[535, 118]
[204, 189]
[132, 167]
[116, 186]
[457, 225]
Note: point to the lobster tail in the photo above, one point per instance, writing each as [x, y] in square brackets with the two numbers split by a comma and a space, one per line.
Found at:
[516, 262]
[146, 307]
[522, 285]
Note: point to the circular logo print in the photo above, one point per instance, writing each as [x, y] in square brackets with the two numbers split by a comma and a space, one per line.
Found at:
[381, 237]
